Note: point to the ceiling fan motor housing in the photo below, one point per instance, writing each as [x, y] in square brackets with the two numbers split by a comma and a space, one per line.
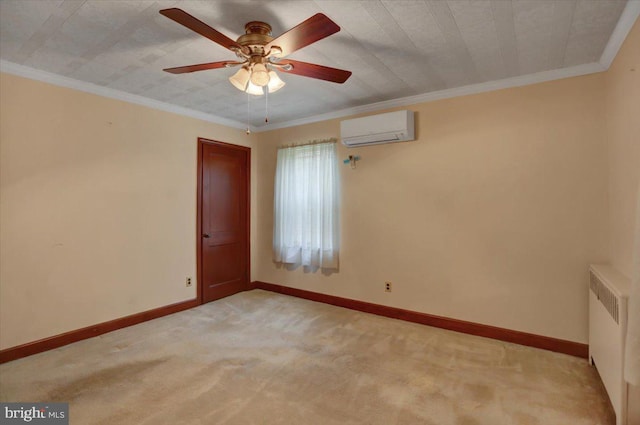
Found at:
[258, 34]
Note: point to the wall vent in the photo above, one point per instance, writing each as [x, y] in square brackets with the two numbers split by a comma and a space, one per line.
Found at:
[606, 297]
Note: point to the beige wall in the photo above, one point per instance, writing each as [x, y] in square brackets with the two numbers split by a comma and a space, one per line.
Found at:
[623, 141]
[492, 215]
[622, 84]
[98, 207]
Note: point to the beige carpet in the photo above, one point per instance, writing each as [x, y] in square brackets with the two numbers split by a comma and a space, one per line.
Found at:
[264, 358]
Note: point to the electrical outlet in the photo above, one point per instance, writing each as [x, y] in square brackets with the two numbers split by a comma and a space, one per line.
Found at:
[387, 286]
[188, 281]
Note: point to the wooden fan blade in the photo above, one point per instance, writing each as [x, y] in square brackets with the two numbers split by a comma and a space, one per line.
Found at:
[313, 70]
[198, 67]
[313, 29]
[194, 24]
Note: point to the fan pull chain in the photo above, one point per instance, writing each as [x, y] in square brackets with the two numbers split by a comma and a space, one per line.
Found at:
[266, 100]
[248, 112]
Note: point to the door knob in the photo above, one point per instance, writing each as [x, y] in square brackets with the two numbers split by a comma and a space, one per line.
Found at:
[206, 235]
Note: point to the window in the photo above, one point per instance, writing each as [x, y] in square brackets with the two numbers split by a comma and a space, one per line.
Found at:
[305, 229]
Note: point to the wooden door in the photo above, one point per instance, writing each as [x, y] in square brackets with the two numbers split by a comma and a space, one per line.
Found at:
[223, 219]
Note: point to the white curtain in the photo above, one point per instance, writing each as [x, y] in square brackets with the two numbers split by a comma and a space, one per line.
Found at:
[632, 349]
[306, 215]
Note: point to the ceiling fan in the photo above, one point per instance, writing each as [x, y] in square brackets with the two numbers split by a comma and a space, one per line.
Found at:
[260, 54]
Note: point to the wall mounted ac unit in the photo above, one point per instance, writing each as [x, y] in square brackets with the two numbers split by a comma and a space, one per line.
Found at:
[376, 129]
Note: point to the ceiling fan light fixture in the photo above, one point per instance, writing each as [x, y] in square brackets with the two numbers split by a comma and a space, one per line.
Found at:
[259, 75]
[275, 83]
[254, 89]
[240, 79]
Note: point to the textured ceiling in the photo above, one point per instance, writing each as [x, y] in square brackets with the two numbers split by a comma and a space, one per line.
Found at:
[394, 48]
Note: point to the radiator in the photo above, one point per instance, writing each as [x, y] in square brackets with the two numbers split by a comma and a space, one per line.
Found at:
[608, 295]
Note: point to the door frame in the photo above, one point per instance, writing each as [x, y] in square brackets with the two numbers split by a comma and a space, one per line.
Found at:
[201, 142]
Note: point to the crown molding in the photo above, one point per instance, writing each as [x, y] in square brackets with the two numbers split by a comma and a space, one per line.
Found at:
[59, 80]
[521, 80]
[625, 23]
